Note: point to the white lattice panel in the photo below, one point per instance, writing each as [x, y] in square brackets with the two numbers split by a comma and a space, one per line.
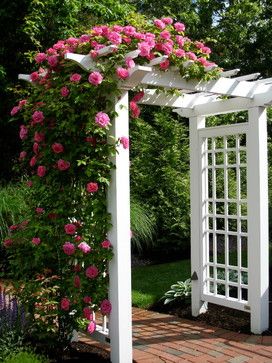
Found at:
[224, 214]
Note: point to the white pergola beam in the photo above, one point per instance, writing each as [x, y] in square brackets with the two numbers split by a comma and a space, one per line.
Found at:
[221, 86]
[227, 106]
[230, 73]
[84, 61]
[157, 60]
[24, 77]
[248, 77]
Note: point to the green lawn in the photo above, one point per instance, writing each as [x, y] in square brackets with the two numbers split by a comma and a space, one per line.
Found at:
[149, 283]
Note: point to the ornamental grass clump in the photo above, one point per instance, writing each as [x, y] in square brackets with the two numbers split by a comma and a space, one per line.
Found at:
[66, 152]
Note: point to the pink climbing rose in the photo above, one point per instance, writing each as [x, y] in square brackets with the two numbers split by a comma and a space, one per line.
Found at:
[64, 91]
[37, 117]
[102, 119]
[95, 78]
[23, 132]
[75, 78]
[106, 243]
[68, 248]
[92, 187]
[91, 272]
[41, 171]
[77, 282]
[87, 312]
[65, 304]
[63, 164]
[57, 148]
[159, 23]
[87, 299]
[39, 210]
[180, 27]
[91, 327]
[125, 142]
[70, 228]
[36, 241]
[15, 110]
[84, 247]
[122, 73]
[39, 137]
[8, 242]
[40, 57]
[105, 307]
[22, 155]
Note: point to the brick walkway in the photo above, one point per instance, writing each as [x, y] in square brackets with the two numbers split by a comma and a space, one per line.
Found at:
[164, 338]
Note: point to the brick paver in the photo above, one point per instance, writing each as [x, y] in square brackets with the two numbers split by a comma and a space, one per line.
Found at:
[168, 339]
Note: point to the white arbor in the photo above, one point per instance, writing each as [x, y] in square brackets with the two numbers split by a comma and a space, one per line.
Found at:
[224, 218]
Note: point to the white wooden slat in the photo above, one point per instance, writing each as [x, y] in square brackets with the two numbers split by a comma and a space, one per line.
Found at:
[228, 302]
[248, 77]
[84, 61]
[157, 60]
[210, 68]
[24, 77]
[230, 73]
[136, 75]
[224, 130]
[187, 64]
[106, 50]
[133, 54]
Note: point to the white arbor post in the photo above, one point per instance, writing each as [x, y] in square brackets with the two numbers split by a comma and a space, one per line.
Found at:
[258, 242]
[198, 306]
[120, 324]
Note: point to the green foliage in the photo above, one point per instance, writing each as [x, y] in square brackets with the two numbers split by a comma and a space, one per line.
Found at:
[181, 291]
[25, 357]
[150, 282]
[160, 176]
[142, 226]
[10, 343]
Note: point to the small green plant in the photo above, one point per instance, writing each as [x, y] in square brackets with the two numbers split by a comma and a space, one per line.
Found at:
[25, 357]
[181, 291]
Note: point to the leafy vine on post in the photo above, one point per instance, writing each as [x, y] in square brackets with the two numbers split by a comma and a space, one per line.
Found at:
[62, 251]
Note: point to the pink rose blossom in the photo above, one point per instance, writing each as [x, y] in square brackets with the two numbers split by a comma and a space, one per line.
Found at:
[95, 78]
[39, 210]
[180, 40]
[125, 142]
[167, 48]
[64, 91]
[91, 140]
[8, 242]
[36, 148]
[72, 41]
[15, 110]
[130, 62]
[41, 171]
[87, 312]
[144, 49]
[65, 304]
[167, 20]
[22, 155]
[105, 307]
[165, 34]
[23, 132]
[106, 243]
[40, 57]
[87, 299]
[36, 241]
[68, 248]
[13, 227]
[77, 282]
[34, 76]
[180, 27]
[52, 60]
[91, 272]
[78, 238]
[63, 164]
[134, 109]
[84, 247]
[91, 327]
[102, 119]
[122, 73]
[129, 30]
[180, 53]
[92, 187]
[206, 50]
[117, 28]
[70, 228]
[75, 78]
[33, 161]
[51, 51]
[29, 183]
[203, 61]
[138, 96]
[115, 38]
[85, 38]
[164, 65]
[159, 24]
[59, 45]
[57, 148]
[37, 117]
[39, 137]
[191, 56]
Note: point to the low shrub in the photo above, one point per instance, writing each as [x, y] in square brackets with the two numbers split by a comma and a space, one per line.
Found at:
[25, 357]
[181, 291]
